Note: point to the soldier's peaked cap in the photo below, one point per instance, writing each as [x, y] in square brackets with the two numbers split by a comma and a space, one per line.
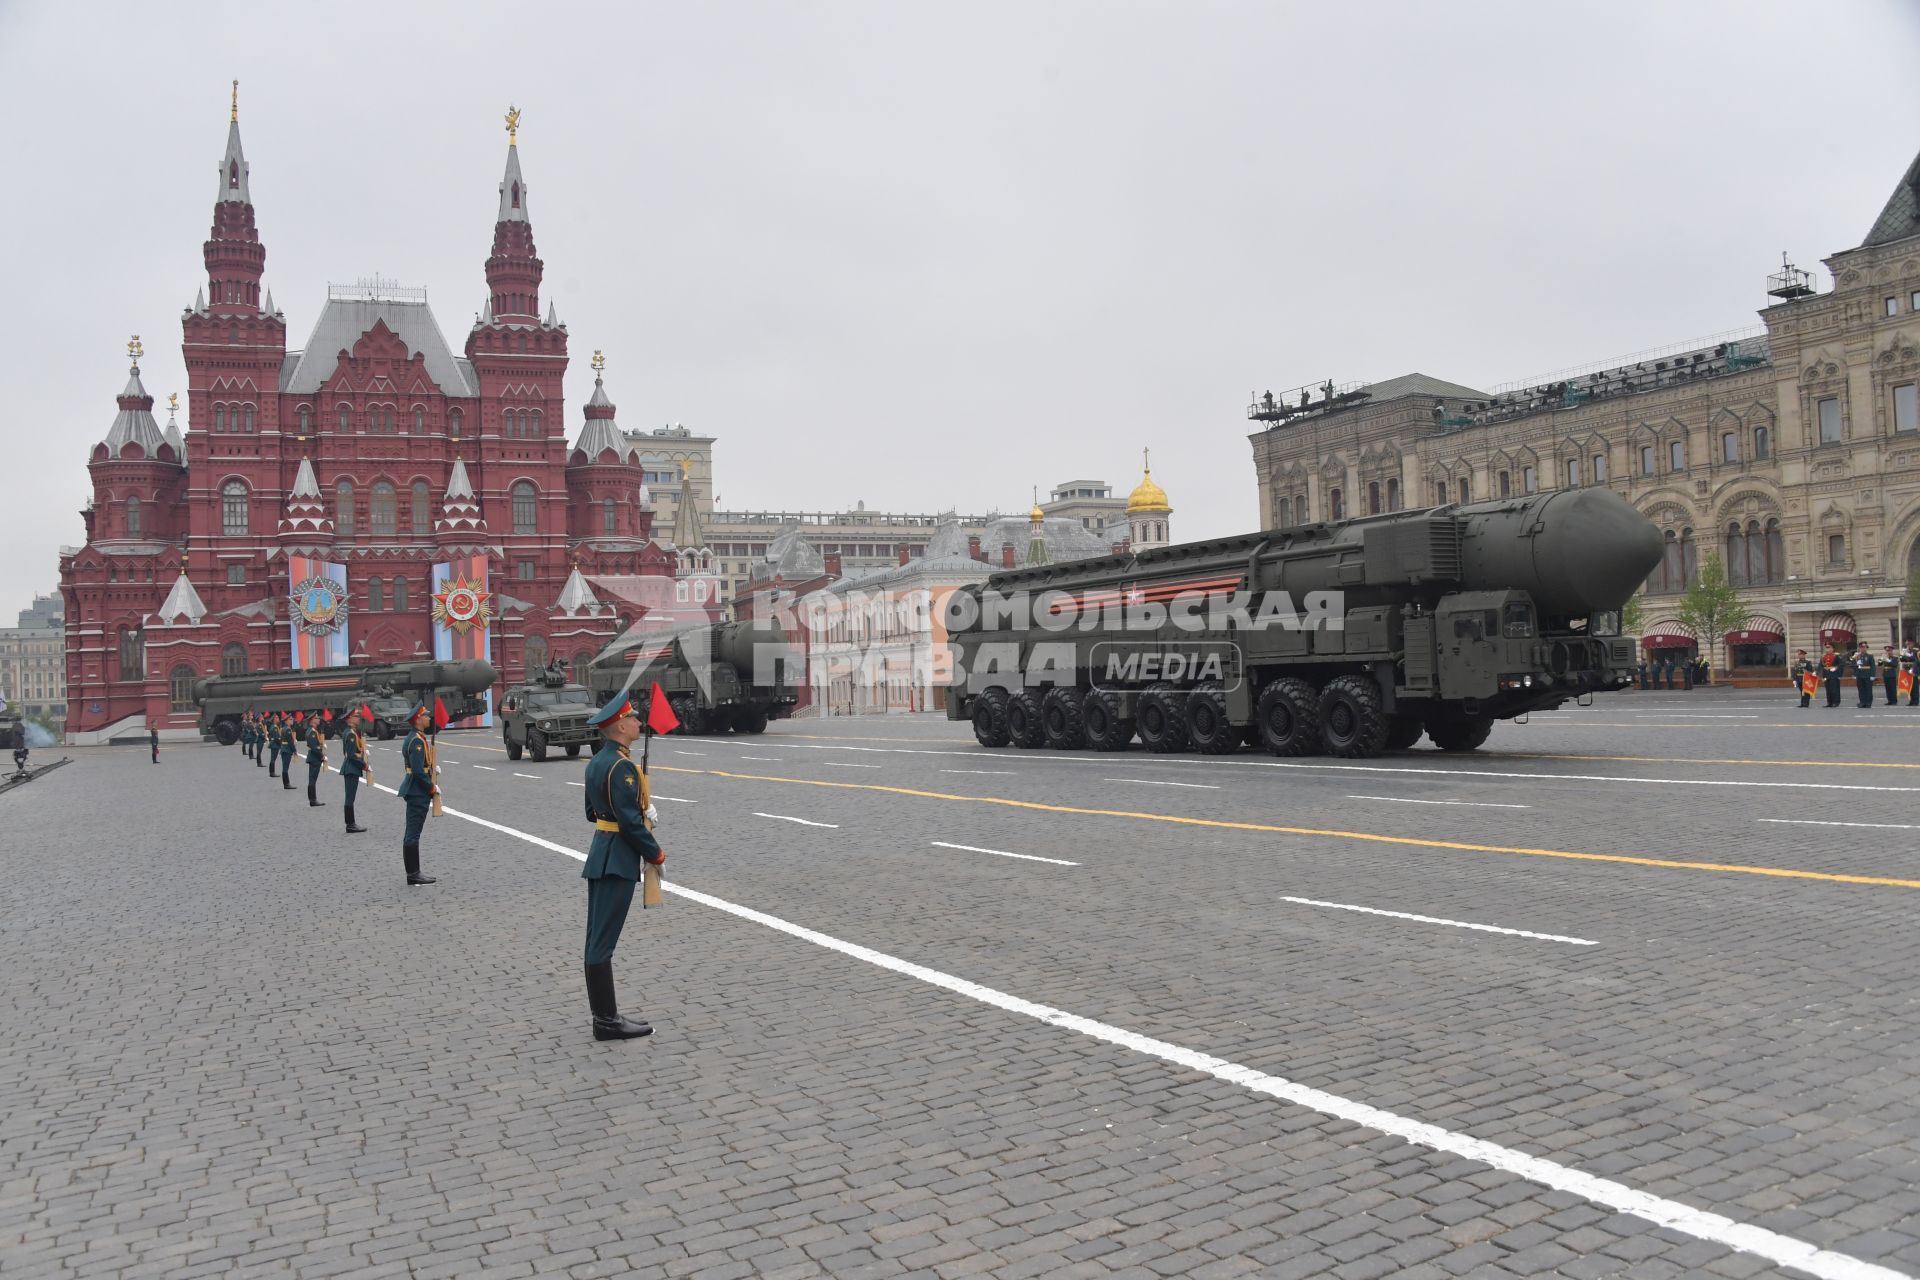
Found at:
[419, 709]
[611, 712]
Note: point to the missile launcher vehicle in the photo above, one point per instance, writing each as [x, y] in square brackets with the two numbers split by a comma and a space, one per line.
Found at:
[717, 676]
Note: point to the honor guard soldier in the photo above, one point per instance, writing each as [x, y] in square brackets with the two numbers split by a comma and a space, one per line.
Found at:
[353, 765]
[246, 734]
[417, 787]
[256, 738]
[1910, 659]
[316, 759]
[1804, 677]
[272, 743]
[289, 739]
[153, 732]
[1831, 666]
[1890, 675]
[1863, 672]
[618, 806]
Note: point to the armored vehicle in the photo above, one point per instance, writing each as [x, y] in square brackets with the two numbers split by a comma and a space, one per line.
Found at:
[547, 712]
[717, 676]
[389, 689]
[1438, 622]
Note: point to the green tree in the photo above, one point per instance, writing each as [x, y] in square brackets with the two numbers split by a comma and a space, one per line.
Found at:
[1712, 607]
[1633, 615]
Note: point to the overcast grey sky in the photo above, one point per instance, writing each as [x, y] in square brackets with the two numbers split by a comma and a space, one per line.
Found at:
[929, 256]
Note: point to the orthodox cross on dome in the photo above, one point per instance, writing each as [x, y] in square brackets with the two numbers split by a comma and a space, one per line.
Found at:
[513, 124]
[135, 351]
[233, 112]
[599, 364]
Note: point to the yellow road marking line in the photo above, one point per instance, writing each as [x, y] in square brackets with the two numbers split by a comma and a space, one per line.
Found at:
[1369, 836]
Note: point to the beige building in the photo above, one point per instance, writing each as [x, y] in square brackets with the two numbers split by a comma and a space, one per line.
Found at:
[33, 669]
[663, 450]
[1791, 451]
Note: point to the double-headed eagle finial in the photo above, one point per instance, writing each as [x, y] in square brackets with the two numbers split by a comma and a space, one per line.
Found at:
[513, 126]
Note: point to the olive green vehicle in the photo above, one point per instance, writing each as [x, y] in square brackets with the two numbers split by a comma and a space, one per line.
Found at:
[389, 690]
[1435, 622]
[719, 677]
[549, 712]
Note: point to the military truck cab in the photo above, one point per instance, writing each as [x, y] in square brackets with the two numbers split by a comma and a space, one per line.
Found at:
[545, 713]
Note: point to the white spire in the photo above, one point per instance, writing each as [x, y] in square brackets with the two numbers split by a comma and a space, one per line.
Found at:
[269, 307]
[233, 168]
[458, 486]
[553, 317]
[200, 301]
[304, 484]
[513, 189]
[182, 601]
[577, 596]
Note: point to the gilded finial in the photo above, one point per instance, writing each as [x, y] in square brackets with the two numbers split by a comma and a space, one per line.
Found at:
[599, 364]
[233, 113]
[173, 403]
[513, 126]
[685, 468]
[135, 350]
[1146, 462]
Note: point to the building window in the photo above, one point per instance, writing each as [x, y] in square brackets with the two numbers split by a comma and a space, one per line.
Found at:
[376, 598]
[421, 514]
[306, 419]
[1526, 479]
[343, 508]
[1729, 447]
[133, 517]
[1373, 498]
[524, 520]
[419, 420]
[1761, 443]
[1836, 548]
[233, 508]
[1300, 515]
[233, 660]
[1776, 552]
[1736, 556]
[1393, 495]
[1506, 484]
[220, 418]
[1466, 490]
[1893, 306]
[1599, 468]
[236, 575]
[345, 417]
[1676, 455]
[534, 430]
[399, 586]
[453, 423]
[1336, 510]
[1646, 459]
[382, 510]
[536, 653]
[523, 570]
[1573, 473]
[133, 655]
[1906, 408]
[1829, 420]
[248, 411]
[607, 517]
[180, 687]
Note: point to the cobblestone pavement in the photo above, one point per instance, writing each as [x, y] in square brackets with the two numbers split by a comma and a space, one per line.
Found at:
[237, 1044]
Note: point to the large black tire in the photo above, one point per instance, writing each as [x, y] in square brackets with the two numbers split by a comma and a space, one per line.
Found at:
[537, 746]
[513, 748]
[1403, 732]
[225, 733]
[1207, 724]
[697, 719]
[1460, 735]
[990, 718]
[1352, 723]
[382, 730]
[1063, 719]
[573, 751]
[1107, 729]
[1161, 716]
[1287, 718]
[1025, 726]
[751, 720]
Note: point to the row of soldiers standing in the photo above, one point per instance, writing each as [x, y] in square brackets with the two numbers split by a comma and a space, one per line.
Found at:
[270, 738]
[1898, 671]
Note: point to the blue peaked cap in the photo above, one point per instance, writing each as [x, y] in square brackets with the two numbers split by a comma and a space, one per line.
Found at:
[611, 712]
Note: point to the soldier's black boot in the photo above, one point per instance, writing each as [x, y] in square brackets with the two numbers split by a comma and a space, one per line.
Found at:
[607, 1022]
[286, 780]
[272, 762]
[410, 853]
[313, 801]
[353, 828]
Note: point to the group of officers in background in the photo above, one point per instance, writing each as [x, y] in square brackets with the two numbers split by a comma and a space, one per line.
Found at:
[1897, 671]
[270, 738]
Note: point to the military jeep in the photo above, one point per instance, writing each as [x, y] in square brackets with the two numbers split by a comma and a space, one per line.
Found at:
[545, 713]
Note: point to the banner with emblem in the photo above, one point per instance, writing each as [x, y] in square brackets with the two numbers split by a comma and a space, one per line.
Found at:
[317, 612]
[463, 611]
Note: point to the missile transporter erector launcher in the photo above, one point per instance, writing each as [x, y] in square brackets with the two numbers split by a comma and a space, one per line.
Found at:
[1348, 638]
[717, 676]
[388, 689]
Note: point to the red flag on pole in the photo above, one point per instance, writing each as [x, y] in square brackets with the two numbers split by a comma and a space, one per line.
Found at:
[660, 717]
[440, 716]
[326, 713]
[300, 717]
[366, 713]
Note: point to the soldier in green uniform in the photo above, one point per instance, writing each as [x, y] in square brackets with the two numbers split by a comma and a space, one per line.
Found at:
[1890, 675]
[153, 735]
[618, 808]
[253, 738]
[1910, 656]
[316, 758]
[353, 765]
[289, 740]
[1863, 669]
[417, 787]
[271, 743]
[1802, 668]
[246, 734]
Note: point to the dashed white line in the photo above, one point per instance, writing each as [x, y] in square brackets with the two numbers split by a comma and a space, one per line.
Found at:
[534, 776]
[763, 759]
[1810, 822]
[674, 799]
[781, 817]
[1701, 1224]
[576, 784]
[489, 768]
[1002, 853]
[841, 764]
[690, 753]
[1473, 804]
[1002, 773]
[1149, 782]
[1457, 924]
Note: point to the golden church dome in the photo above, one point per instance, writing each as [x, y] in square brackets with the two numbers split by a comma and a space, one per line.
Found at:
[1147, 496]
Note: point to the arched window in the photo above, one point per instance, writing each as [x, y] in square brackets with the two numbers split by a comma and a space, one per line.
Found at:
[536, 653]
[1677, 455]
[1669, 572]
[346, 417]
[386, 417]
[1573, 473]
[1646, 459]
[524, 519]
[1729, 446]
[1526, 479]
[180, 687]
[343, 508]
[399, 594]
[133, 655]
[533, 419]
[306, 419]
[607, 517]
[233, 660]
[1777, 554]
[248, 411]
[1373, 498]
[1761, 443]
[1393, 495]
[1300, 514]
[133, 517]
[381, 511]
[1506, 484]
[453, 423]
[1466, 490]
[419, 420]
[220, 418]
[1737, 560]
[1689, 559]
[233, 508]
[376, 598]
[1336, 510]
[422, 515]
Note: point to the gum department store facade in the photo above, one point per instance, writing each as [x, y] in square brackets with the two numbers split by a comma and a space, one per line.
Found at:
[1792, 453]
[377, 453]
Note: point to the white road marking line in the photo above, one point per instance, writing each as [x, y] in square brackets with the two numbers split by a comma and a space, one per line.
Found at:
[802, 821]
[674, 799]
[1458, 924]
[1685, 715]
[1002, 853]
[845, 764]
[489, 768]
[534, 776]
[1701, 1224]
[1149, 782]
[1004, 773]
[690, 753]
[767, 759]
[576, 784]
[1809, 822]
[1472, 804]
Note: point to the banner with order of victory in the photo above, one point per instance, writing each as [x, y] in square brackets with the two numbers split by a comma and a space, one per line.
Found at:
[463, 620]
[317, 612]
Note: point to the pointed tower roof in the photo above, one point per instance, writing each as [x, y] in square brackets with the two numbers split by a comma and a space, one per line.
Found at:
[1901, 217]
[458, 486]
[182, 602]
[600, 433]
[304, 483]
[577, 597]
[172, 434]
[233, 164]
[687, 533]
[134, 424]
[459, 513]
[305, 517]
[513, 187]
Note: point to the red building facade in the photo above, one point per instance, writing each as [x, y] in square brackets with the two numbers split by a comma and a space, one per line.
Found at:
[374, 447]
